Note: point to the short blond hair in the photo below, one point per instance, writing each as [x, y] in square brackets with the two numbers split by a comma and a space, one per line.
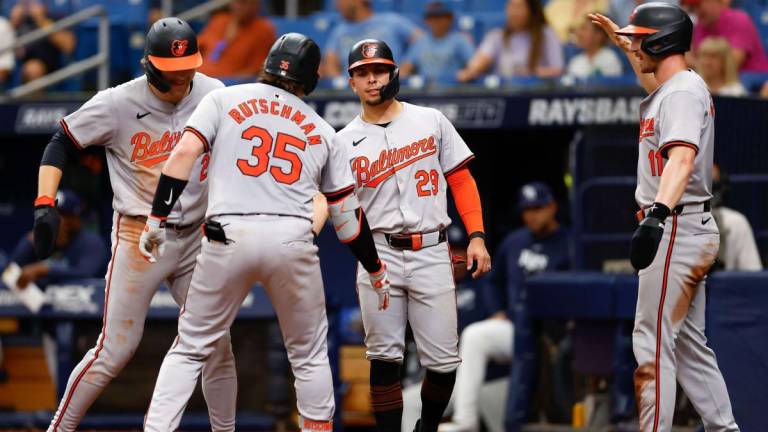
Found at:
[720, 47]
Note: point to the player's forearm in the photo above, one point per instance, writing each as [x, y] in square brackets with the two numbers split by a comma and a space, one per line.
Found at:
[674, 179]
[647, 80]
[319, 213]
[48, 180]
[183, 157]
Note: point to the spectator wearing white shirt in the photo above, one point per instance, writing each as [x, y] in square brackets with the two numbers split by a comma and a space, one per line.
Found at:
[597, 59]
[738, 249]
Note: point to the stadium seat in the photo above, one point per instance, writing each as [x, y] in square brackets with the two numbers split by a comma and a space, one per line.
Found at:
[130, 12]
[317, 26]
[753, 81]
[492, 6]
[486, 21]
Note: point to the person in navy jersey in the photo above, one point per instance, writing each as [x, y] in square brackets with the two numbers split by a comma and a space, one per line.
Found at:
[79, 253]
[360, 22]
[443, 52]
[542, 244]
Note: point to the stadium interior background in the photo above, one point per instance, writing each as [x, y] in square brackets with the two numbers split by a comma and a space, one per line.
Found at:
[579, 137]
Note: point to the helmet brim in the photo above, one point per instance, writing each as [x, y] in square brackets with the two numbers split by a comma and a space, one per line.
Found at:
[633, 30]
[369, 61]
[171, 64]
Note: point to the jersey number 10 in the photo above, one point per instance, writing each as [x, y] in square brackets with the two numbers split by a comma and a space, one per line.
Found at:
[281, 152]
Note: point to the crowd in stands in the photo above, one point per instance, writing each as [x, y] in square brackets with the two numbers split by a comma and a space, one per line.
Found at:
[523, 39]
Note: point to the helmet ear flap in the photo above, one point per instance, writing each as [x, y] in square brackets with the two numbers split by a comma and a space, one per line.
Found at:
[390, 90]
[154, 76]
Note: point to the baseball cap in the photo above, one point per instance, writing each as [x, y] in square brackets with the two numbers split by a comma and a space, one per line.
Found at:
[534, 194]
[437, 9]
[68, 202]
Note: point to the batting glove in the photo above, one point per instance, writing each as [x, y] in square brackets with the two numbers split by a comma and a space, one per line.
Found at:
[647, 236]
[46, 228]
[152, 236]
[380, 284]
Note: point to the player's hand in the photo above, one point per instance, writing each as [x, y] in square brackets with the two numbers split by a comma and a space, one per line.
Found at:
[647, 237]
[610, 27]
[31, 273]
[478, 259]
[153, 236]
[46, 228]
[380, 284]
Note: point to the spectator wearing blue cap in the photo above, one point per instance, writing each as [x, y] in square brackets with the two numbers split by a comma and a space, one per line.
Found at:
[443, 52]
[541, 245]
[79, 253]
[360, 22]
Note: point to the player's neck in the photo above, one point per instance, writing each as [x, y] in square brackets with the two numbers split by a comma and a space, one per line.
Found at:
[168, 97]
[669, 66]
[384, 112]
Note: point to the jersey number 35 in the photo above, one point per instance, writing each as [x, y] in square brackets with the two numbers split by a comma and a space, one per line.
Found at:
[286, 175]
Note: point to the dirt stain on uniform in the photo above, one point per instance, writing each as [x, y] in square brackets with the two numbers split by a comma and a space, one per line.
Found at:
[127, 324]
[692, 280]
[644, 375]
[121, 339]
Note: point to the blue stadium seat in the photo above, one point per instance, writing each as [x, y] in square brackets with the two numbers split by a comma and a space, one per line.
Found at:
[317, 26]
[130, 12]
[494, 6]
[486, 21]
[753, 81]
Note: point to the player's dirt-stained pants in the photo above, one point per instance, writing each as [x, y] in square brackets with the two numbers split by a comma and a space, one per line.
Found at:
[131, 282]
[422, 292]
[668, 338]
[278, 252]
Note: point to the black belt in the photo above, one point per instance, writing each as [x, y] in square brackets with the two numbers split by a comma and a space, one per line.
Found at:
[706, 207]
[416, 241]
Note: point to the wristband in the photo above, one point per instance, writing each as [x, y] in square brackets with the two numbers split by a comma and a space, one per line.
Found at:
[659, 211]
[44, 200]
[477, 234]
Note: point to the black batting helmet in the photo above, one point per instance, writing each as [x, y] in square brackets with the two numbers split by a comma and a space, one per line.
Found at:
[369, 51]
[171, 46]
[295, 57]
[667, 29]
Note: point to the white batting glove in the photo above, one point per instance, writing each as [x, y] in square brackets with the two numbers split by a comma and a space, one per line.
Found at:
[152, 236]
[380, 284]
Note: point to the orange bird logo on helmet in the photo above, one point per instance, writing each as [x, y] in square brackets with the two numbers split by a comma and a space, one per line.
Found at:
[369, 50]
[179, 47]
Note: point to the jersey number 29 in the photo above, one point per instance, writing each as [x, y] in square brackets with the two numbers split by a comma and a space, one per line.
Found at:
[281, 152]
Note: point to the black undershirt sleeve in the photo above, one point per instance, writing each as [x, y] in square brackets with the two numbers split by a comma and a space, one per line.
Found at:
[59, 148]
[363, 247]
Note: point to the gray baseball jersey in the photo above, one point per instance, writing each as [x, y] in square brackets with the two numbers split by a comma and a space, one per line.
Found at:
[270, 154]
[668, 338]
[663, 125]
[400, 173]
[400, 169]
[138, 131]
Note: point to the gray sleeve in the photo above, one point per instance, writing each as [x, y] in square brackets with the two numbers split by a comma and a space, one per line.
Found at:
[491, 44]
[94, 123]
[204, 121]
[681, 121]
[337, 174]
[454, 152]
[553, 50]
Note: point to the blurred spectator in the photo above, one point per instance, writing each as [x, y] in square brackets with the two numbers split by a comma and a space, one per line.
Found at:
[718, 69]
[525, 46]
[360, 22]
[620, 10]
[738, 249]
[597, 59]
[442, 52]
[45, 55]
[235, 43]
[764, 90]
[565, 16]
[7, 61]
[716, 19]
[79, 253]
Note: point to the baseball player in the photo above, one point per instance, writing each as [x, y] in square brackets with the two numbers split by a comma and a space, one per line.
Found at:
[138, 123]
[677, 240]
[270, 154]
[403, 158]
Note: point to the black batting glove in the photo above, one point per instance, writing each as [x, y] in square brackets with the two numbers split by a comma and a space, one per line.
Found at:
[647, 236]
[46, 228]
